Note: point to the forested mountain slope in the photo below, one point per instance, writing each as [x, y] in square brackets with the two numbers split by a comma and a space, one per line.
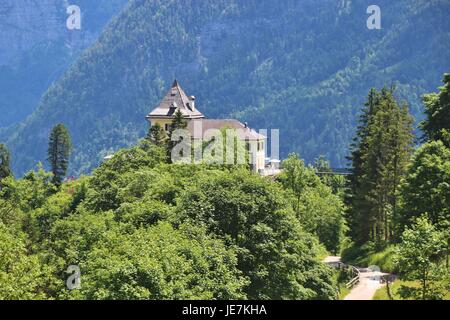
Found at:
[301, 66]
[36, 48]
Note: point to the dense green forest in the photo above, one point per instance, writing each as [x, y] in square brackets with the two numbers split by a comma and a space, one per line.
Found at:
[141, 227]
[300, 66]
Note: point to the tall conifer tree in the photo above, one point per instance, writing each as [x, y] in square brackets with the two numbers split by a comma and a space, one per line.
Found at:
[5, 170]
[356, 199]
[381, 152]
[157, 136]
[178, 122]
[59, 150]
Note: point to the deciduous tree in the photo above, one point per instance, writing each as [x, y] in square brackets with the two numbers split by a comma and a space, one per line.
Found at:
[420, 256]
[437, 108]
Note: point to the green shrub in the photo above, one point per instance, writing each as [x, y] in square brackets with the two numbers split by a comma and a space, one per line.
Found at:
[366, 255]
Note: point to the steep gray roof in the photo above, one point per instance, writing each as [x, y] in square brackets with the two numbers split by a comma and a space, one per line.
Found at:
[175, 99]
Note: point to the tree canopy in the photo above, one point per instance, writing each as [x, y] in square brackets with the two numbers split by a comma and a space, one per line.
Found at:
[141, 228]
[437, 109]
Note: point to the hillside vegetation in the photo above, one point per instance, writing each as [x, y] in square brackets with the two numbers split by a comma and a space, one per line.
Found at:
[300, 66]
[144, 226]
[140, 228]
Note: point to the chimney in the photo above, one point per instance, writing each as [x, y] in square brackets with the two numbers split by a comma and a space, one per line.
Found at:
[192, 98]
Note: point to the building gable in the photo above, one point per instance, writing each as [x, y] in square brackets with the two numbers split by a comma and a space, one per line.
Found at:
[175, 99]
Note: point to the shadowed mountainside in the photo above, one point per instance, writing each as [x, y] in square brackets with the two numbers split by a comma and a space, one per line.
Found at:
[303, 67]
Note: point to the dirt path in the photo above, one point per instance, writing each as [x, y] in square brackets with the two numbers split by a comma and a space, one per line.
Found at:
[369, 282]
[332, 259]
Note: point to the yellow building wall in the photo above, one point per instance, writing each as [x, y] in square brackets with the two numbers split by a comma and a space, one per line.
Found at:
[260, 159]
[161, 122]
[260, 155]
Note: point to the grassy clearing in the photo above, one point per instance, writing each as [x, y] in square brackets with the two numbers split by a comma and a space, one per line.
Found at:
[343, 292]
[381, 293]
[366, 256]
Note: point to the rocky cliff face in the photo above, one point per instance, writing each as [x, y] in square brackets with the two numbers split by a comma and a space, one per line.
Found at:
[36, 47]
[23, 24]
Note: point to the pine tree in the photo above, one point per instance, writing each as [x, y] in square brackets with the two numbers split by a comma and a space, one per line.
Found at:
[157, 136]
[5, 170]
[381, 152]
[178, 122]
[390, 147]
[356, 199]
[59, 150]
